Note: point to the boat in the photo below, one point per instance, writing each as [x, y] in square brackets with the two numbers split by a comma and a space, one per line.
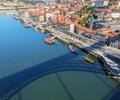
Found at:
[70, 47]
[86, 58]
[49, 41]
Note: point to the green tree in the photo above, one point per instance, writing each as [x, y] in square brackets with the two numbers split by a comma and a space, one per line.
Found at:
[79, 12]
[83, 21]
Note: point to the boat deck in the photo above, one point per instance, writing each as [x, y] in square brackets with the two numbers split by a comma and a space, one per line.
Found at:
[49, 40]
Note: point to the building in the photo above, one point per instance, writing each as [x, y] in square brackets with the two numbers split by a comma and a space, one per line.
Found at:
[103, 17]
[42, 17]
[72, 28]
[61, 1]
[48, 16]
[10, 4]
[100, 3]
[118, 4]
[114, 14]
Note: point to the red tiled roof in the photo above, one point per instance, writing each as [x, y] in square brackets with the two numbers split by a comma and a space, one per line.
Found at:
[68, 21]
[55, 21]
[108, 32]
[35, 13]
[85, 29]
[98, 0]
[106, 29]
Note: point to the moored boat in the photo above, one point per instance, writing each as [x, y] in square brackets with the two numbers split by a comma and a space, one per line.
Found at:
[49, 40]
[70, 47]
[88, 59]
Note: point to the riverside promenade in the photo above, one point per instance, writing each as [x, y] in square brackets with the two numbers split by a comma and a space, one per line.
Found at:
[110, 67]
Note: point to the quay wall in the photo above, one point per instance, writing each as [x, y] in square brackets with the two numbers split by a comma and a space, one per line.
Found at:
[63, 40]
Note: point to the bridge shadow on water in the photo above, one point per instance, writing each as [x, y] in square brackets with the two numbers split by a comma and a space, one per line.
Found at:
[114, 94]
[12, 84]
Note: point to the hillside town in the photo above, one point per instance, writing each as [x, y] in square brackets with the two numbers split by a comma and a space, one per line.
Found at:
[90, 24]
[91, 18]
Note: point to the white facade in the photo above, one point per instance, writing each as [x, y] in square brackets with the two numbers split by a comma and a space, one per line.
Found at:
[10, 4]
[83, 0]
[107, 19]
[118, 4]
[116, 15]
[106, 3]
[49, 15]
[99, 3]
[26, 14]
[72, 28]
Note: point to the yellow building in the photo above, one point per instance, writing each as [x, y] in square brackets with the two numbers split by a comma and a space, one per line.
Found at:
[42, 17]
[119, 4]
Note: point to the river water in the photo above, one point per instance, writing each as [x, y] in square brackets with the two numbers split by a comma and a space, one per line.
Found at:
[61, 74]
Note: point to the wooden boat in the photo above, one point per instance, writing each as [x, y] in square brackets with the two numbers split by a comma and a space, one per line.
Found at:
[49, 40]
[86, 58]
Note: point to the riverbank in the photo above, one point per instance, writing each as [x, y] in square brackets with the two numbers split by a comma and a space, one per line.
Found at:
[110, 67]
[23, 48]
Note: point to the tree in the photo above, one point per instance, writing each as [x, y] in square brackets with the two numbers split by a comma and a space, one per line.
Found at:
[83, 21]
[79, 12]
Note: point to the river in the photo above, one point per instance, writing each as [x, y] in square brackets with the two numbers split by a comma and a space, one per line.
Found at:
[65, 76]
